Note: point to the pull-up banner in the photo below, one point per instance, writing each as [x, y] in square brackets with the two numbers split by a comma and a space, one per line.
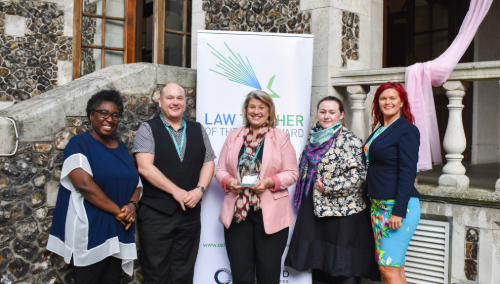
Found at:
[230, 65]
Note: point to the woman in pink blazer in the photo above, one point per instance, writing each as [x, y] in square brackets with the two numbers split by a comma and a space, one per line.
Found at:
[256, 166]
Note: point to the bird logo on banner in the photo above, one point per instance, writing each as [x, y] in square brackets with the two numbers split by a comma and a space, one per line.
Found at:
[237, 70]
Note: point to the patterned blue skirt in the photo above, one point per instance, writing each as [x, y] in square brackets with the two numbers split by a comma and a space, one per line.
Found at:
[391, 245]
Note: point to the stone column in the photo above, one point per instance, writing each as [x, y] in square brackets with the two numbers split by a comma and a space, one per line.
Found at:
[454, 139]
[357, 94]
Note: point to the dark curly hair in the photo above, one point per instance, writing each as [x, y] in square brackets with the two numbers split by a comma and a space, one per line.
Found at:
[104, 96]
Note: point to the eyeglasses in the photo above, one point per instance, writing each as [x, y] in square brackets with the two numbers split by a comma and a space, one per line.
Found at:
[104, 114]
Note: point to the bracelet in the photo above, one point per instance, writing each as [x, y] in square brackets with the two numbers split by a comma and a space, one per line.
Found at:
[135, 204]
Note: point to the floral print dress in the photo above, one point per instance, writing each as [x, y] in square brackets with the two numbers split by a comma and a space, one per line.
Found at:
[391, 245]
[343, 171]
[332, 231]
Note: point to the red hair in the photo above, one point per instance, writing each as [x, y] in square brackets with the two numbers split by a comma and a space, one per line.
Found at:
[378, 117]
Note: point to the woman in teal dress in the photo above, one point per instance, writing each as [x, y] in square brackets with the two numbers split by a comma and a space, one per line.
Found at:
[391, 153]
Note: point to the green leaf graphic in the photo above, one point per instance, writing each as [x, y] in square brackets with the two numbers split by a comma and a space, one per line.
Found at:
[269, 85]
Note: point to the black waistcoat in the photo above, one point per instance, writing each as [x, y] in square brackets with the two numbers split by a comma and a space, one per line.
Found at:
[185, 174]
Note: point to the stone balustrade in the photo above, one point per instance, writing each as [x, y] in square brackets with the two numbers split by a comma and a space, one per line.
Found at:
[359, 83]
[454, 142]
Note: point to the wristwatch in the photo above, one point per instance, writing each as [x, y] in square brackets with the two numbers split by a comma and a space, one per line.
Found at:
[201, 188]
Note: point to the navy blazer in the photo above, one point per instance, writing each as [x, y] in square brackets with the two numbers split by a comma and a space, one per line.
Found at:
[393, 165]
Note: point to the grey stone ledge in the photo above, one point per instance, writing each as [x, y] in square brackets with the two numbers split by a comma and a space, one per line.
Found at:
[7, 128]
[470, 195]
[37, 120]
[40, 118]
[474, 71]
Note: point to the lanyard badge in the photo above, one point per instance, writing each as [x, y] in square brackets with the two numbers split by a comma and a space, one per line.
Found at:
[252, 178]
[177, 147]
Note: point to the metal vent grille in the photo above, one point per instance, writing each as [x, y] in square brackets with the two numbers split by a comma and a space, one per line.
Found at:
[427, 255]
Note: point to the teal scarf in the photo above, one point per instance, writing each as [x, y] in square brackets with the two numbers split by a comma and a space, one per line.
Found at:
[321, 136]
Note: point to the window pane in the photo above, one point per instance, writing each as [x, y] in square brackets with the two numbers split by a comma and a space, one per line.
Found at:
[439, 43]
[174, 15]
[115, 33]
[91, 31]
[173, 49]
[439, 17]
[92, 7]
[113, 57]
[91, 60]
[422, 18]
[115, 8]
[147, 39]
[189, 16]
[188, 51]
[422, 48]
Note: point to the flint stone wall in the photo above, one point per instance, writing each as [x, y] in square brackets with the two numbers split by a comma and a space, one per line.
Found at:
[283, 16]
[350, 37]
[89, 29]
[29, 181]
[28, 64]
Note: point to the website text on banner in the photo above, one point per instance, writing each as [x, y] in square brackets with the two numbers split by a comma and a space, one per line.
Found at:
[230, 65]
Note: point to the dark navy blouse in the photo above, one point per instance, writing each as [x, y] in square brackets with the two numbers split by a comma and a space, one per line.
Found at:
[80, 229]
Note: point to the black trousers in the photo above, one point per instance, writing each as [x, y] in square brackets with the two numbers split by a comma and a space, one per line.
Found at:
[169, 244]
[106, 271]
[249, 248]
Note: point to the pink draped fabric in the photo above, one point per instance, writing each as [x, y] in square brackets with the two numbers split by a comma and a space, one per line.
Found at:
[420, 78]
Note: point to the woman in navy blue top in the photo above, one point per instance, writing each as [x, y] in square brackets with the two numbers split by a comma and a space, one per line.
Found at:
[93, 224]
[391, 153]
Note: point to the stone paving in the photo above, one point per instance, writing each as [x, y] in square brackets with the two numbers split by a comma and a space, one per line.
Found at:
[482, 176]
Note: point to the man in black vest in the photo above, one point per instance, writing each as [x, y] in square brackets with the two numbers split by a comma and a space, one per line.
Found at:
[176, 164]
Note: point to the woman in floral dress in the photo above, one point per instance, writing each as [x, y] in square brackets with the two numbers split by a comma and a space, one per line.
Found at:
[392, 155]
[332, 232]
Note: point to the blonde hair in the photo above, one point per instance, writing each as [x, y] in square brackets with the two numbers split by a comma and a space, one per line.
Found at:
[267, 100]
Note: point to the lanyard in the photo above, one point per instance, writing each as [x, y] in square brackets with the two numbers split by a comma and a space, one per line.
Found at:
[256, 153]
[173, 138]
[377, 133]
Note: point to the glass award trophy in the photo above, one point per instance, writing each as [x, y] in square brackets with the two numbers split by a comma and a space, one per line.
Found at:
[249, 179]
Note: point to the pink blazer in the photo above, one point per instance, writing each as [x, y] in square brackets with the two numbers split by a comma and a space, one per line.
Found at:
[279, 162]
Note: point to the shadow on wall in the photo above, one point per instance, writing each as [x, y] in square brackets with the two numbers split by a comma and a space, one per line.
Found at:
[29, 180]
